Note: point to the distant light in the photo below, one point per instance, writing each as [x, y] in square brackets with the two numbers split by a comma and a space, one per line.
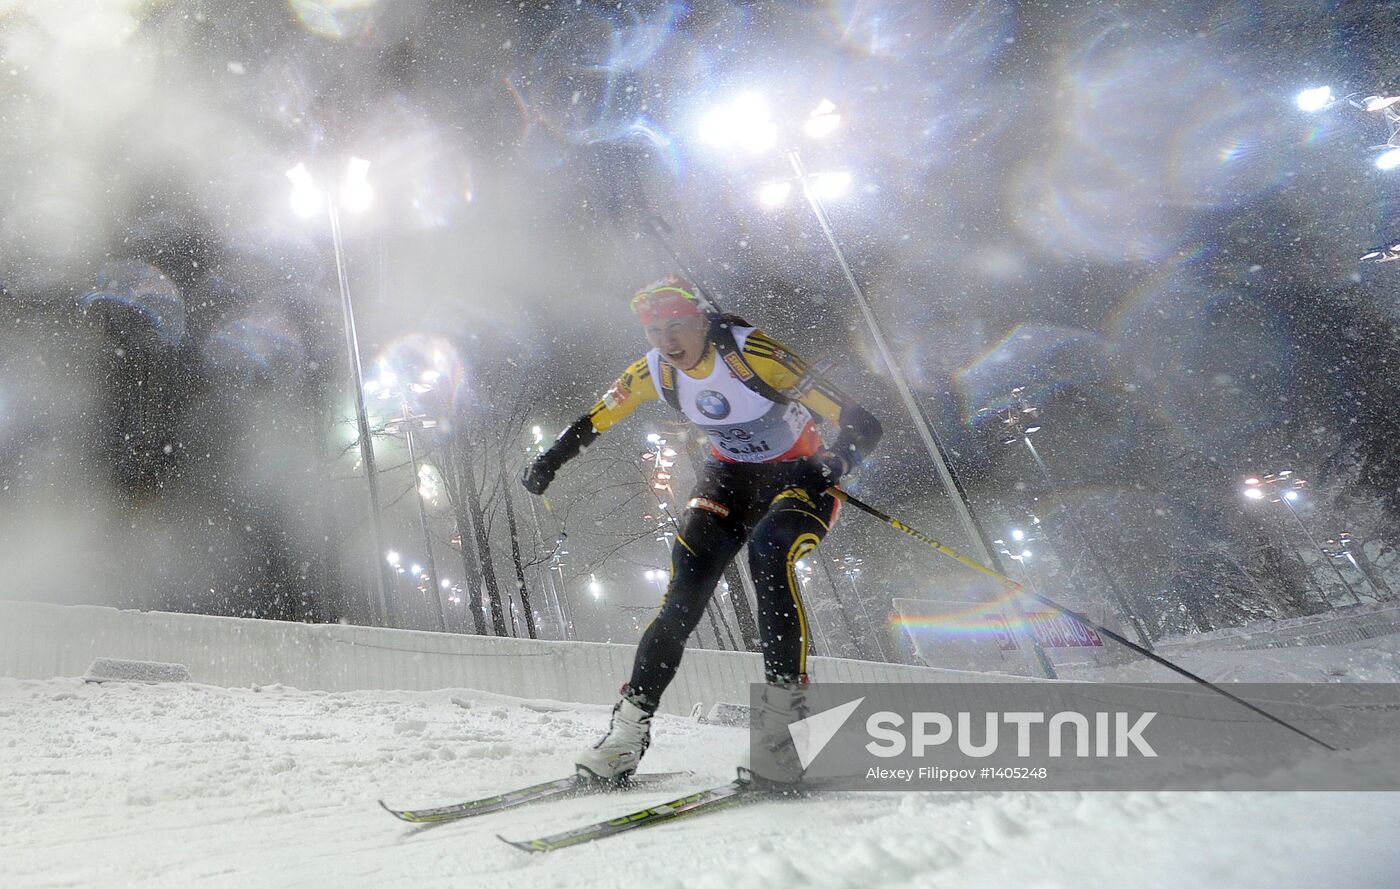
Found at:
[774, 194]
[306, 197]
[1026, 554]
[595, 587]
[1017, 534]
[1315, 99]
[446, 584]
[1388, 160]
[1251, 481]
[416, 570]
[431, 376]
[1290, 495]
[1254, 494]
[392, 557]
[536, 431]
[355, 194]
[823, 120]
[829, 186]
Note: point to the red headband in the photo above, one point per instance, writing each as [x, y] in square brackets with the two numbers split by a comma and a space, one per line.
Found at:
[664, 305]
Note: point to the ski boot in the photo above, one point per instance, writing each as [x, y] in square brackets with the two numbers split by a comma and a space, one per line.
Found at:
[614, 758]
[771, 760]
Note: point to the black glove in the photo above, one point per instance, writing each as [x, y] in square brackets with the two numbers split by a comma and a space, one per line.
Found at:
[822, 470]
[539, 474]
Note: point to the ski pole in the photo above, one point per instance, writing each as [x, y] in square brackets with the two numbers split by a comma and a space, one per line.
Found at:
[660, 230]
[1012, 585]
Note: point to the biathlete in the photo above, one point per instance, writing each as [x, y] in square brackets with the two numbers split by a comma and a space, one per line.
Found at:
[765, 481]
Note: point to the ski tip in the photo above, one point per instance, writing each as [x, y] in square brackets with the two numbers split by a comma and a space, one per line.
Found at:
[522, 846]
[399, 813]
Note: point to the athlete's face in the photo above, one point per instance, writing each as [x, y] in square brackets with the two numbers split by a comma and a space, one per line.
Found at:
[681, 340]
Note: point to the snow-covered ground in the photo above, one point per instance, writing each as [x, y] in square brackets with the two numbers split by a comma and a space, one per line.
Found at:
[119, 785]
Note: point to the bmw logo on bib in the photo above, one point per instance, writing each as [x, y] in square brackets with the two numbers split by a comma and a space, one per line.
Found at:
[712, 404]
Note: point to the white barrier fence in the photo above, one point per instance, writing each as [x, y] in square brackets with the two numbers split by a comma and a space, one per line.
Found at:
[40, 641]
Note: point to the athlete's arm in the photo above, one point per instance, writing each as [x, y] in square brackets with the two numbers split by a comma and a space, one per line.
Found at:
[634, 387]
[859, 432]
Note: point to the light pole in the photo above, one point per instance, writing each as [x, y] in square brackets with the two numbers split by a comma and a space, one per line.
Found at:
[388, 386]
[545, 575]
[849, 566]
[1339, 547]
[1019, 421]
[1321, 98]
[745, 124]
[1286, 488]
[355, 195]
[556, 564]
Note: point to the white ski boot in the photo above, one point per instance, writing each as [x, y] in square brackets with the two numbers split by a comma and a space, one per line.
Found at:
[771, 757]
[614, 758]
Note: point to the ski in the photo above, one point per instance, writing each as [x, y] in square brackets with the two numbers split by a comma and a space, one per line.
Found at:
[711, 800]
[560, 788]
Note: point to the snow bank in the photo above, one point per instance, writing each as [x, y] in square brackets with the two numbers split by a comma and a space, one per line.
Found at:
[41, 641]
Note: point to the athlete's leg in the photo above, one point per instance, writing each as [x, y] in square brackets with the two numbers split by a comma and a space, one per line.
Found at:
[796, 522]
[708, 538]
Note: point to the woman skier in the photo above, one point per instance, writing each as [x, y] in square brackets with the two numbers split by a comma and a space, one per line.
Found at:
[765, 481]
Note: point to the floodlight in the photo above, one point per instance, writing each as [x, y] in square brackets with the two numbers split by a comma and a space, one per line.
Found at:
[355, 193]
[306, 197]
[1315, 98]
[774, 194]
[744, 122]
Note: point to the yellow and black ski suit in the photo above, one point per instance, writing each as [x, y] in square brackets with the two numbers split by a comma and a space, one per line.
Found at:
[756, 402]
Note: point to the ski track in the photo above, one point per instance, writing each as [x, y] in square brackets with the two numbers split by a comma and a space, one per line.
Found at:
[179, 785]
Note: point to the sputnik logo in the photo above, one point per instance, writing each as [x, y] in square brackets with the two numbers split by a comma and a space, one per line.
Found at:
[812, 734]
